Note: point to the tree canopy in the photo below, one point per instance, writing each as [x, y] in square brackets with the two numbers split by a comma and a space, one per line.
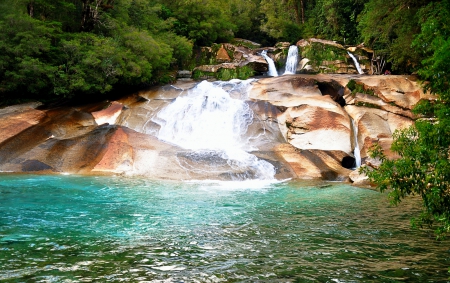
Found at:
[424, 165]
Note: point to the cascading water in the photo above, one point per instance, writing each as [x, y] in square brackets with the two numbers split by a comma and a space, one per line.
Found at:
[272, 69]
[211, 123]
[355, 61]
[356, 151]
[292, 60]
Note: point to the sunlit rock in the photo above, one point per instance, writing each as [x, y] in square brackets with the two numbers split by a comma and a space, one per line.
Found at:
[284, 90]
[376, 126]
[17, 118]
[317, 123]
[359, 179]
[108, 115]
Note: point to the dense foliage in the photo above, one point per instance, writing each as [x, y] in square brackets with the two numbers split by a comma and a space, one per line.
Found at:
[66, 48]
[424, 165]
[69, 47]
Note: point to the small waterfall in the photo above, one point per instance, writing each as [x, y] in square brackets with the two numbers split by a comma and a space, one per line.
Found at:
[356, 151]
[292, 60]
[272, 69]
[211, 123]
[355, 61]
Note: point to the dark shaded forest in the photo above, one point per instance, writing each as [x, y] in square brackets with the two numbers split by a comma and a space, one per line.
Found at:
[65, 48]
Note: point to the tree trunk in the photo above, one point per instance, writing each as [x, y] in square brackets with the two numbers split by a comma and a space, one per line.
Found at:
[30, 9]
[91, 12]
[297, 14]
[302, 8]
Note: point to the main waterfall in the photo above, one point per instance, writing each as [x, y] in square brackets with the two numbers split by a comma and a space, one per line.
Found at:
[292, 60]
[212, 124]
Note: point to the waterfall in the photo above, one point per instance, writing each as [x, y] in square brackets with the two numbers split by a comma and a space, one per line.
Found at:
[211, 123]
[272, 69]
[356, 151]
[292, 60]
[355, 61]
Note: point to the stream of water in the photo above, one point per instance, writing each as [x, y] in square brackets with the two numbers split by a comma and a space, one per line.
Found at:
[291, 60]
[116, 229]
[272, 69]
[355, 61]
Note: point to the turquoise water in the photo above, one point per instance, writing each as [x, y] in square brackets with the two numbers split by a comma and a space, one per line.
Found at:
[116, 229]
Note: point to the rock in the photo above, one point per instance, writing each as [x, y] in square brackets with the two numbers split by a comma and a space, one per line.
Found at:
[284, 90]
[256, 62]
[17, 118]
[367, 99]
[222, 55]
[283, 44]
[303, 63]
[108, 115]
[376, 126]
[118, 157]
[305, 42]
[247, 42]
[373, 162]
[302, 43]
[299, 126]
[319, 123]
[72, 155]
[359, 179]
[398, 90]
[314, 164]
[183, 74]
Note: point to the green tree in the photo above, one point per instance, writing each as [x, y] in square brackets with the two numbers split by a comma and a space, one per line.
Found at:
[424, 166]
[389, 27]
[24, 50]
[203, 21]
[66, 48]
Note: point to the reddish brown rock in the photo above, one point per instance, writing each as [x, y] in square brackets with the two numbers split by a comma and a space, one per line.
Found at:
[15, 119]
[222, 55]
[118, 157]
[285, 91]
[398, 90]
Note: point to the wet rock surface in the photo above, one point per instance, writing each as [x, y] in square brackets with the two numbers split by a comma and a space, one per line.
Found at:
[299, 126]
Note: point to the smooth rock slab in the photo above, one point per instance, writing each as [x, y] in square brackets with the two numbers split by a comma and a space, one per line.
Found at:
[314, 164]
[320, 123]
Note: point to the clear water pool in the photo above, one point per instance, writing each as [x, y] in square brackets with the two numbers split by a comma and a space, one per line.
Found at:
[117, 229]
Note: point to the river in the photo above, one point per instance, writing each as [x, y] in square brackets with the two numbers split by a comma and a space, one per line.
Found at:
[119, 229]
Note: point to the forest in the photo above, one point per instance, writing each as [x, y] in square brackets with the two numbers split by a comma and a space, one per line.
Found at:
[65, 48]
[52, 50]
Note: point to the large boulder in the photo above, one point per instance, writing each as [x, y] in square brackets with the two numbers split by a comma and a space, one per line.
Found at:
[285, 91]
[318, 123]
[376, 126]
[402, 91]
[17, 118]
[314, 164]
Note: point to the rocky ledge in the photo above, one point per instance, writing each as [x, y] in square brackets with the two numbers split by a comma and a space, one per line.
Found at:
[307, 126]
